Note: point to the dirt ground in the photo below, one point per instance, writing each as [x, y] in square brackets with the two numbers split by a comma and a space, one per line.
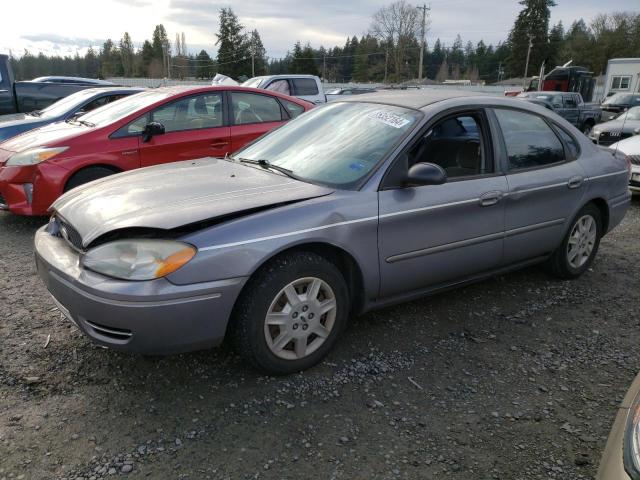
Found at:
[517, 377]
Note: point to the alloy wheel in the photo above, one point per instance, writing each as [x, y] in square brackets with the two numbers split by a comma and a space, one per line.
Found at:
[581, 241]
[300, 318]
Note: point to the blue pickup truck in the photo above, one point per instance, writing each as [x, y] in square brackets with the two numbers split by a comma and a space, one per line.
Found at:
[568, 105]
[16, 97]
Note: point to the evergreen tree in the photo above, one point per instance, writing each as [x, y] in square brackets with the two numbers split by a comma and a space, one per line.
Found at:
[443, 72]
[234, 57]
[532, 22]
[146, 58]
[161, 48]
[204, 65]
[92, 63]
[127, 55]
[556, 40]
[258, 54]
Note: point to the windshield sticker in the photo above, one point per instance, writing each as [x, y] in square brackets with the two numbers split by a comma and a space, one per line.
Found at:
[388, 118]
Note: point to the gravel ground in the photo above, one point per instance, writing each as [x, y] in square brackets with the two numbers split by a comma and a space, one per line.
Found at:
[517, 377]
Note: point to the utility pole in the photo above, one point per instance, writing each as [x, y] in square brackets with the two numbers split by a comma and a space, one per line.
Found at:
[526, 65]
[386, 61]
[424, 9]
[324, 68]
[253, 65]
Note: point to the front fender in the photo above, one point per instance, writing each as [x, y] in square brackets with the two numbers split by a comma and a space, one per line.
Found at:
[344, 220]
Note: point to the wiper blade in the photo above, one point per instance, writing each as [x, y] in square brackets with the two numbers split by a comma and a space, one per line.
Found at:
[266, 164]
[86, 124]
[35, 113]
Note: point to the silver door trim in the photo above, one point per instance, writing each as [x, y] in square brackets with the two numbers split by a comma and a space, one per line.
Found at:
[332, 225]
[473, 241]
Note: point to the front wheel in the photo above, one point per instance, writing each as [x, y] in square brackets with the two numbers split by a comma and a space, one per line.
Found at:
[580, 245]
[291, 313]
[586, 128]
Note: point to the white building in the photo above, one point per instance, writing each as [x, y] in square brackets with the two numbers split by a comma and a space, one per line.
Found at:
[623, 75]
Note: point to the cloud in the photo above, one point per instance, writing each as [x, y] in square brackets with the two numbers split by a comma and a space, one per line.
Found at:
[61, 40]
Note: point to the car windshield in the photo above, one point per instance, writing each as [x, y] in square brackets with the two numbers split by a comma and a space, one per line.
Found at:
[252, 82]
[67, 104]
[337, 144]
[631, 114]
[617, 99]
[121, 108]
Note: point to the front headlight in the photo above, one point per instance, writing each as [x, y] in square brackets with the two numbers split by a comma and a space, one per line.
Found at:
[144, 259]
[34, 156]
[636, 131]
[596, 133]
[631, 446]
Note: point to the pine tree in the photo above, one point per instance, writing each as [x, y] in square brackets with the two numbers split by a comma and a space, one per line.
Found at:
[443, 72]
[556, 40]
[258, 54]
[127, 55]
[161, 51]
[204, 65]
[234, 57]
[532, 22]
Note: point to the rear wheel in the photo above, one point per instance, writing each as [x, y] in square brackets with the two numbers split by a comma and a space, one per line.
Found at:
[290, 313]
[580, 245]
[87, 175]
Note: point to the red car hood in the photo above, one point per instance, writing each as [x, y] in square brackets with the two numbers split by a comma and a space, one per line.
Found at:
[48, 135]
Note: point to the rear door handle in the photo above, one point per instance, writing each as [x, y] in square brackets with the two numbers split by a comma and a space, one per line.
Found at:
[575, 182]
[490, 198]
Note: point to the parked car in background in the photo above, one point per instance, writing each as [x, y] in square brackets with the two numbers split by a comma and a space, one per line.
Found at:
[631, 148]
[277, 246]
[16, 97]
[306, 87]
[616, 104]
[623, 126]
[95, 82]
[621, 457]
[338, 93]
[156, 126]
[75, 104]
[570, 106]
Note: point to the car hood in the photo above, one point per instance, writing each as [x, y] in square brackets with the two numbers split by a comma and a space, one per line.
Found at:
[47, 135]
[177, 194]
[628, 146]
[16, 118]
[616, 125]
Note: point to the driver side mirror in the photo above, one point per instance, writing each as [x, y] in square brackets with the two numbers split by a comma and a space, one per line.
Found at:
[422, 174]
[152, 129]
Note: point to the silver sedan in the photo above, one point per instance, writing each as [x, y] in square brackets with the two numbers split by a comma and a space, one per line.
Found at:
[355, 205]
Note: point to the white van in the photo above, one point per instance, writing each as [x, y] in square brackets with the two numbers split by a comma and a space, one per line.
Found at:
[306, 87]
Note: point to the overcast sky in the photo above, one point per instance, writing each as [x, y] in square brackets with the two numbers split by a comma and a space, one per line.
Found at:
[65, 26]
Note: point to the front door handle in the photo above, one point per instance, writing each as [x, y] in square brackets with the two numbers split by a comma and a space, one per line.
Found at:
[575, 182]
[219, 144]
[490, 198]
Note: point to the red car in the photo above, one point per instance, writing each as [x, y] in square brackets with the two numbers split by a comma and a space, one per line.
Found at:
[157, 126]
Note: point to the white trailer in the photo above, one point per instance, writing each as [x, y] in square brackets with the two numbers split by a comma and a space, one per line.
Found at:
[623, 75]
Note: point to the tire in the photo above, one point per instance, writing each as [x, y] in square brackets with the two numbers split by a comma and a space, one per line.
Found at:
[577, 251]
[257, 339]
[587, 127]
[87, 175]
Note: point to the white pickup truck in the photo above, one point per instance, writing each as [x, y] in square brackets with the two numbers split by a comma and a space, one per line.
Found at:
[306, 87]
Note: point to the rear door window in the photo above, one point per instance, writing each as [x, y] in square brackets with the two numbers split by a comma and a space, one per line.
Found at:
[254, 108]
[304, 86]
[530, 142]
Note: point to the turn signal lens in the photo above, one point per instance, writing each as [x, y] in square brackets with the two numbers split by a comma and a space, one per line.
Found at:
[144, 259]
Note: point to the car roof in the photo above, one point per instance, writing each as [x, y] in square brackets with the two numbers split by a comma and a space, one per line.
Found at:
[415, 99]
